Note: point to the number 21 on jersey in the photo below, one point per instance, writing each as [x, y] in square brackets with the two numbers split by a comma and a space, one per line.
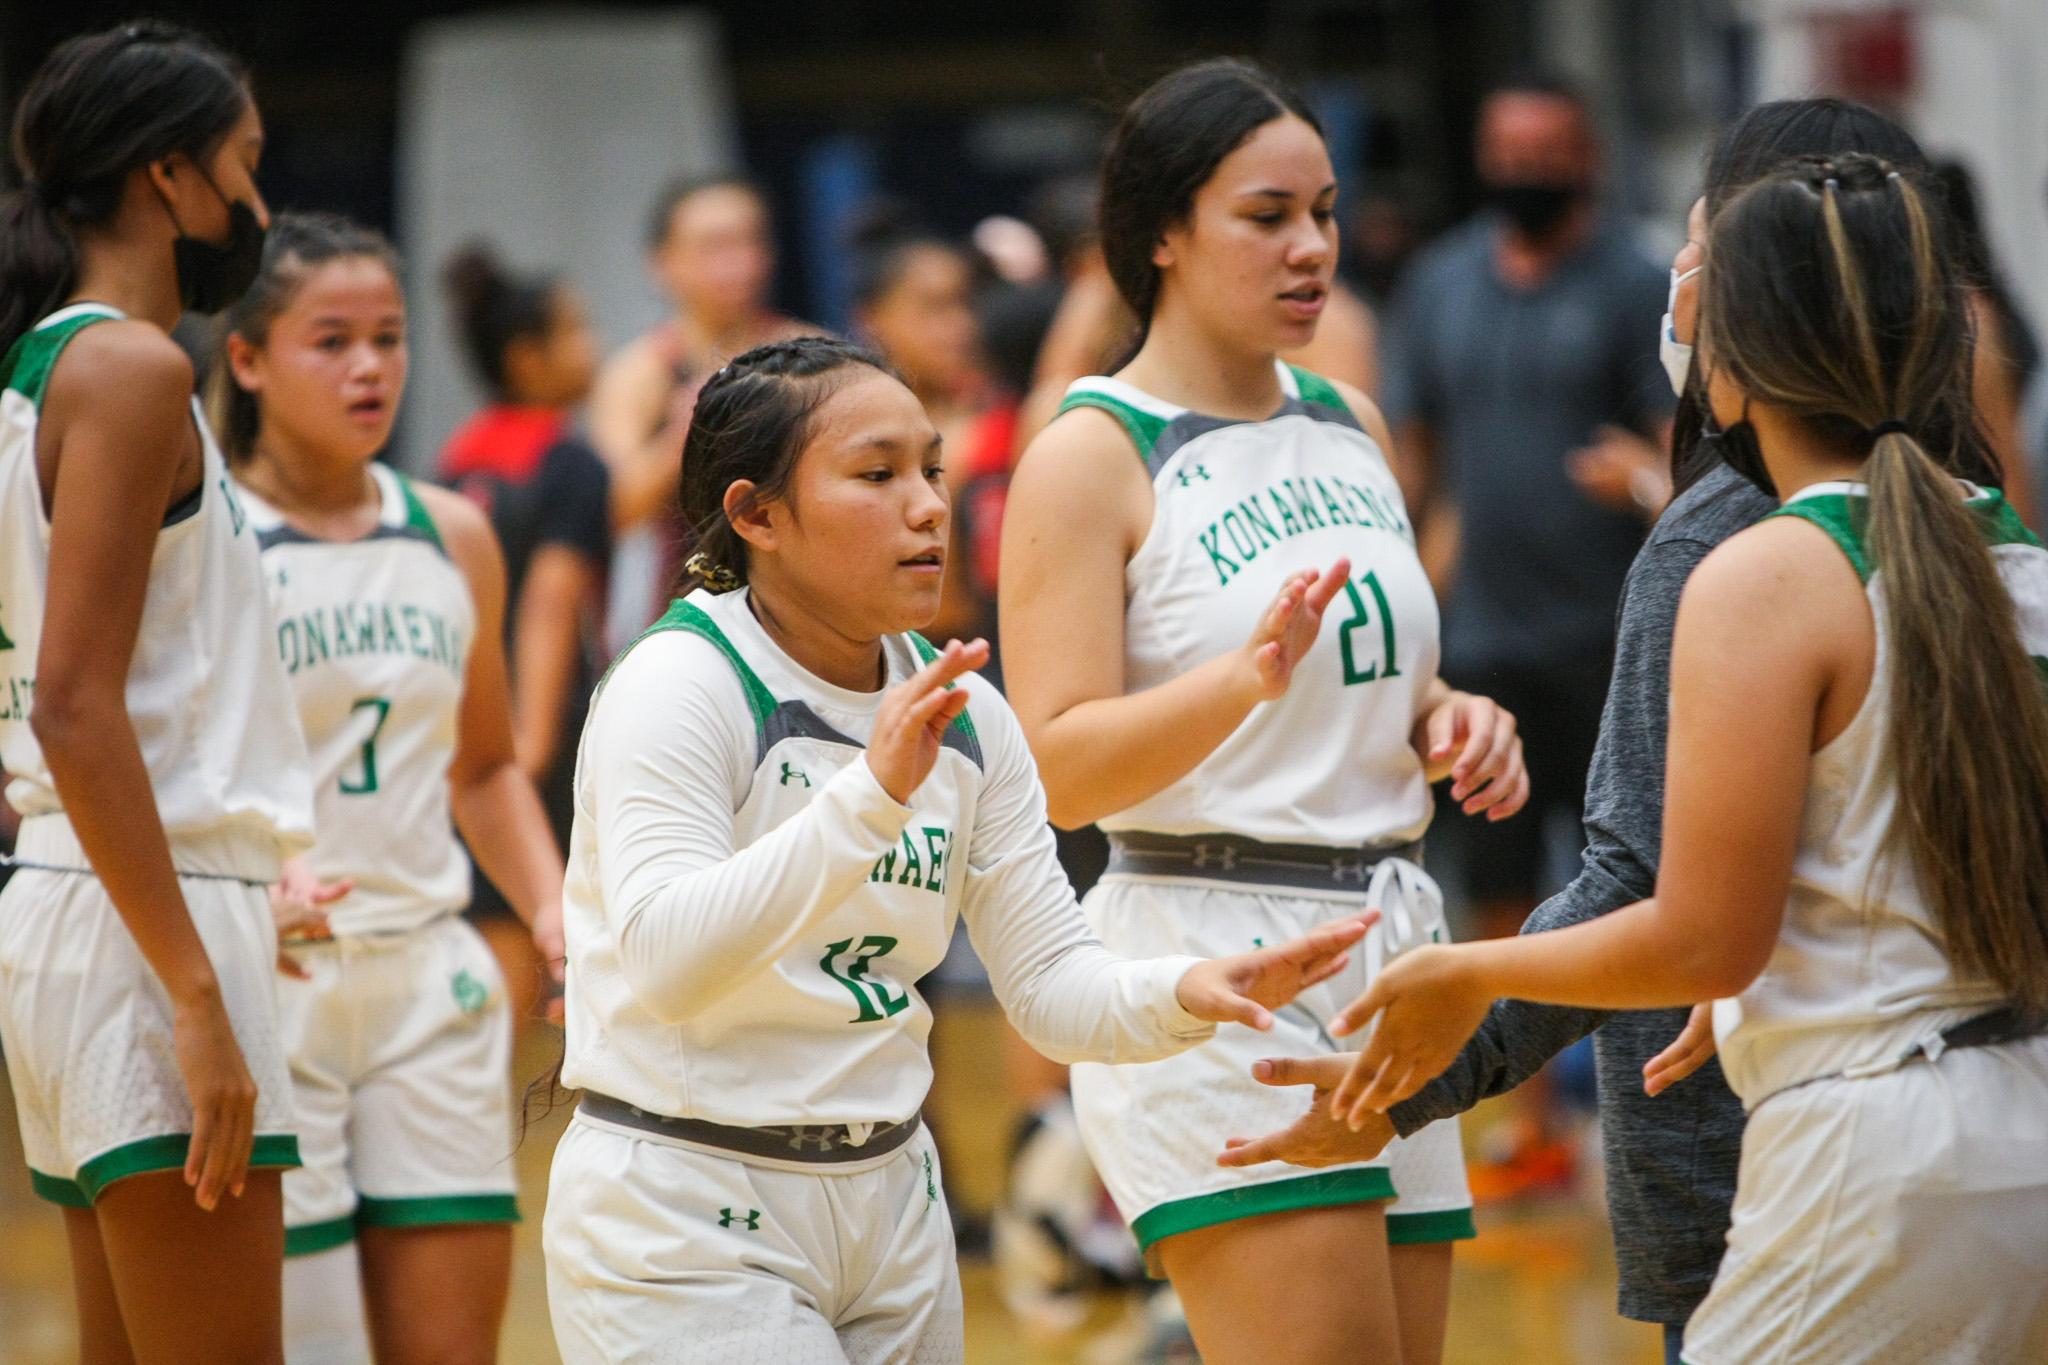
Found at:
[1368, 654]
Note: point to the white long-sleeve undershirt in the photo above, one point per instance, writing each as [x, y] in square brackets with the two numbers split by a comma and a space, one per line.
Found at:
[702, 932]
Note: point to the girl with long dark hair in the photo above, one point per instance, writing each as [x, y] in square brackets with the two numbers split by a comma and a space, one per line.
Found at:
[147, 724]
[388, 598]
[1852, 862]
[1223, 649]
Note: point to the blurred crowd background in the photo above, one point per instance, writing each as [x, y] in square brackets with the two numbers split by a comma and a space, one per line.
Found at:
[599, 204]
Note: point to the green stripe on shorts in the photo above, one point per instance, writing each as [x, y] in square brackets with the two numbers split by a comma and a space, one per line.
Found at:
[164, 1152]
[435, 1210]
[1444, 1225]
[1360, 1185]
[335, 1232]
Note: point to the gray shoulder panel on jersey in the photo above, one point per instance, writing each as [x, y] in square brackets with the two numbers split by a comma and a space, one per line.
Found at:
[1192, 425]
[796, 720]
[287, 535]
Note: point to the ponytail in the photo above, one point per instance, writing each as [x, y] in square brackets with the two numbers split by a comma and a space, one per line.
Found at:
[97, 108]
[38, 262]
[1969, 729]
[1831, 295]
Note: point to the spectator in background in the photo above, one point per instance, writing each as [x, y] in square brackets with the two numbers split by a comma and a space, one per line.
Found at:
[2006, 354]
[711, 245]
[913, 301]
[547, 495]
[1377, 244]
[1524, 335]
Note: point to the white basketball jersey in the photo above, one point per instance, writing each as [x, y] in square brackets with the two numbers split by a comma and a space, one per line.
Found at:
[1238, 508]
[374, 635]
[211, 709]
[1860, 975]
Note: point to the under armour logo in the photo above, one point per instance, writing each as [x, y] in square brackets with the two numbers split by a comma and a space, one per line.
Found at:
[1218, 855]
[931, 1187]
[824, 1138]
[1348, 869]
[790, 775]
[751, 1219]
[1188, 477]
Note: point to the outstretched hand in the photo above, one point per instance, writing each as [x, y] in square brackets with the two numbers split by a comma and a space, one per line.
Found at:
[1314, 1139]
[1427, 1007]
[1473, 741]
[1290, 625]
[1688, 1052]
[1247, 988]
[913, 717]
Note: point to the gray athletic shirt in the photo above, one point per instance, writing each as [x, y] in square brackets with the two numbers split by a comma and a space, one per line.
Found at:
[1511, 381]
[1670, 1160]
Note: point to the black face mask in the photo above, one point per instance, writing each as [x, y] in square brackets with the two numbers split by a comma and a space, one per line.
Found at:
[1737, 448]
[213, 275]
[1536, 210]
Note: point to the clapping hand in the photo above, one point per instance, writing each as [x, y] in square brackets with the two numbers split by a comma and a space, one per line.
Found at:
[1314, 1139]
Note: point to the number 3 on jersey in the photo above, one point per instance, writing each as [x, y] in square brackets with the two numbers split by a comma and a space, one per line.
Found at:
[1362, 618]
[365, 782]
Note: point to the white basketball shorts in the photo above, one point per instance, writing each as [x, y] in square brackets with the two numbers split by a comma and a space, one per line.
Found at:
[1156, 1129]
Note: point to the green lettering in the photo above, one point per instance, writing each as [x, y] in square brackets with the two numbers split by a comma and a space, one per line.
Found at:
[1287, 521]
[872, 996]
[288, 645]
[935, 843]
[415, 634]
[1233, 526]
[366, 633]
[1217, 559]
[1332, 506]
[1255, 519]
[366, 783]
[1360, 618]
[315, 632]
[392, 644]
[1303, 504]
[913, 869]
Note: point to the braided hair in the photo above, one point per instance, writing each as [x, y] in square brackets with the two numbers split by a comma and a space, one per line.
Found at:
[752, 422]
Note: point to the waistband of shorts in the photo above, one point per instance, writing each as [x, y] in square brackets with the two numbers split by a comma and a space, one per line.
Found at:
[1992, 1028]
[807, 1144]
[1251, 862]
[230, 852]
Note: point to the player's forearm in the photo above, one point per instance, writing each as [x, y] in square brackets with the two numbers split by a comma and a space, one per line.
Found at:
[506, 828]
[1107, 755]
[687, 941]
[1638, 957]
[96, 761]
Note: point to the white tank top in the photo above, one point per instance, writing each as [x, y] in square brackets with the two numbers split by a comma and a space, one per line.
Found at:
[210, 706]
[1861, 975]
[1239, 507]
[375, 634]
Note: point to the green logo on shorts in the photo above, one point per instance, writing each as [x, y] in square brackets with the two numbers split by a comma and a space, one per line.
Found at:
[931, 1187]
[470, 993]
[751, 1220]
[790, 775]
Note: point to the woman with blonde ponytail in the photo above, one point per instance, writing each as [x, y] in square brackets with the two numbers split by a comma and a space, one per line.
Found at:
[1853, 862]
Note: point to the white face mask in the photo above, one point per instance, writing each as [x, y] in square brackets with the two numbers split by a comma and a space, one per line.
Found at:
[1676, 355]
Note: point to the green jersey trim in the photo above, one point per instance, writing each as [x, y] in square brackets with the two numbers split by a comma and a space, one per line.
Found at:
[1144, 428]
[32, 357]
[1316, 389]
[1844, 515]
[417, 517]
[685, 615]
[926, 652]
[1358, 1185]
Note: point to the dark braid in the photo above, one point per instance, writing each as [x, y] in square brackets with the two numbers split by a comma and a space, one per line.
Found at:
[752, 421]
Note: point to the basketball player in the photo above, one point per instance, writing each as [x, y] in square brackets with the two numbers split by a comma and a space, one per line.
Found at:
[1173, 545]
[388, 599]
[148, 728]
[785, 802]
[1852, 863]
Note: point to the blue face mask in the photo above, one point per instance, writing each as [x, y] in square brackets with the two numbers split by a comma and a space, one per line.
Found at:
[1676, 355]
